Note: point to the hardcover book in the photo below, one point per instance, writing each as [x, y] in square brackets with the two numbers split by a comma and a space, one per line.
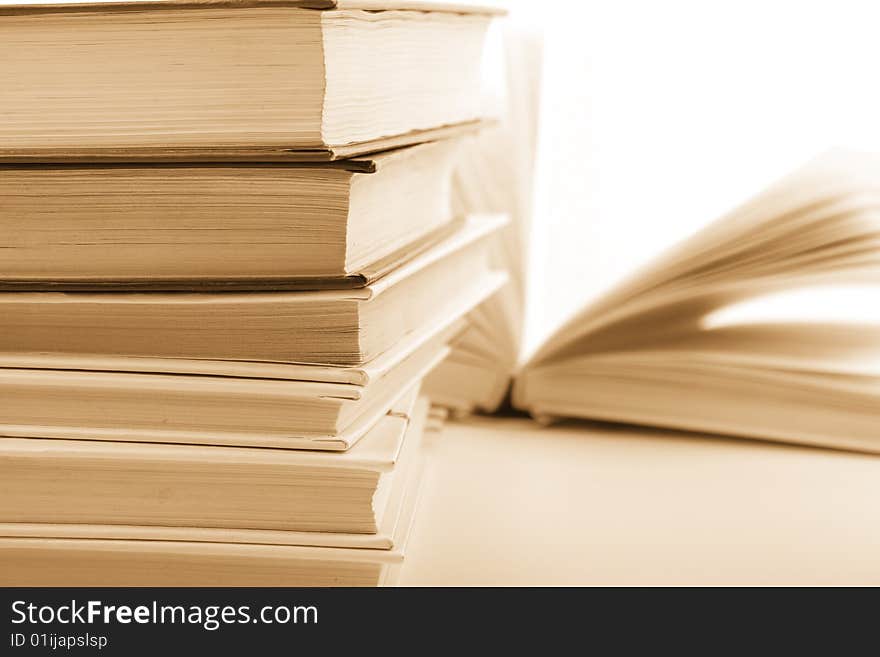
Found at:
[218, 80]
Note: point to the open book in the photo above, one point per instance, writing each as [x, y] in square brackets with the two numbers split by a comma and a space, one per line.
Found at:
[654, 350]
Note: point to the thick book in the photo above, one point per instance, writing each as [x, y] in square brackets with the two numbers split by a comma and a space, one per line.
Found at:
[223, 80]
[78, 554]
[248, 226]
[328, 327]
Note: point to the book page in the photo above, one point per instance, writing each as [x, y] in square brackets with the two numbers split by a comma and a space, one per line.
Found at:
[645, 139]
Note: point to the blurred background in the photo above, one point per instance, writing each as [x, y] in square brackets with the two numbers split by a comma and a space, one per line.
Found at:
[656, 118]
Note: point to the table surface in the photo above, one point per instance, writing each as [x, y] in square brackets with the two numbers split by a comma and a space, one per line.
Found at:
[507, 502]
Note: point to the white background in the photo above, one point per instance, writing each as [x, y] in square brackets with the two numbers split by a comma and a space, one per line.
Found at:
[657, 117]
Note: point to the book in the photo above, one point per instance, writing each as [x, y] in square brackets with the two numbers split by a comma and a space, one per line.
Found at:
[218, 80]
[31, 561]
[494, 173]
[244, 226]
[76, 554]
[327, 327]
[656, 350]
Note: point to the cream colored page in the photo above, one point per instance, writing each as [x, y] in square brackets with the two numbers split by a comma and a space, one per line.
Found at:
[820, 225]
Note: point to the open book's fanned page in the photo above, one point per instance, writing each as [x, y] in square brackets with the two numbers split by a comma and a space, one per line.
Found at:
[495, 175]
[648, 352]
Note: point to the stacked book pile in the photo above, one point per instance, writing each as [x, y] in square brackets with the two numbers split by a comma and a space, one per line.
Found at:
[229, 258]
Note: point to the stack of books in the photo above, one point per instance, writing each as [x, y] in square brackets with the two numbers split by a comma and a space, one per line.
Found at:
[229, 258]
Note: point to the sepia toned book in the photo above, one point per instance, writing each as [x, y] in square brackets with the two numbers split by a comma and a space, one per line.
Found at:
[659, 349]
[42, 551]
[223, 80]
[495, 173]
[244, 226]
